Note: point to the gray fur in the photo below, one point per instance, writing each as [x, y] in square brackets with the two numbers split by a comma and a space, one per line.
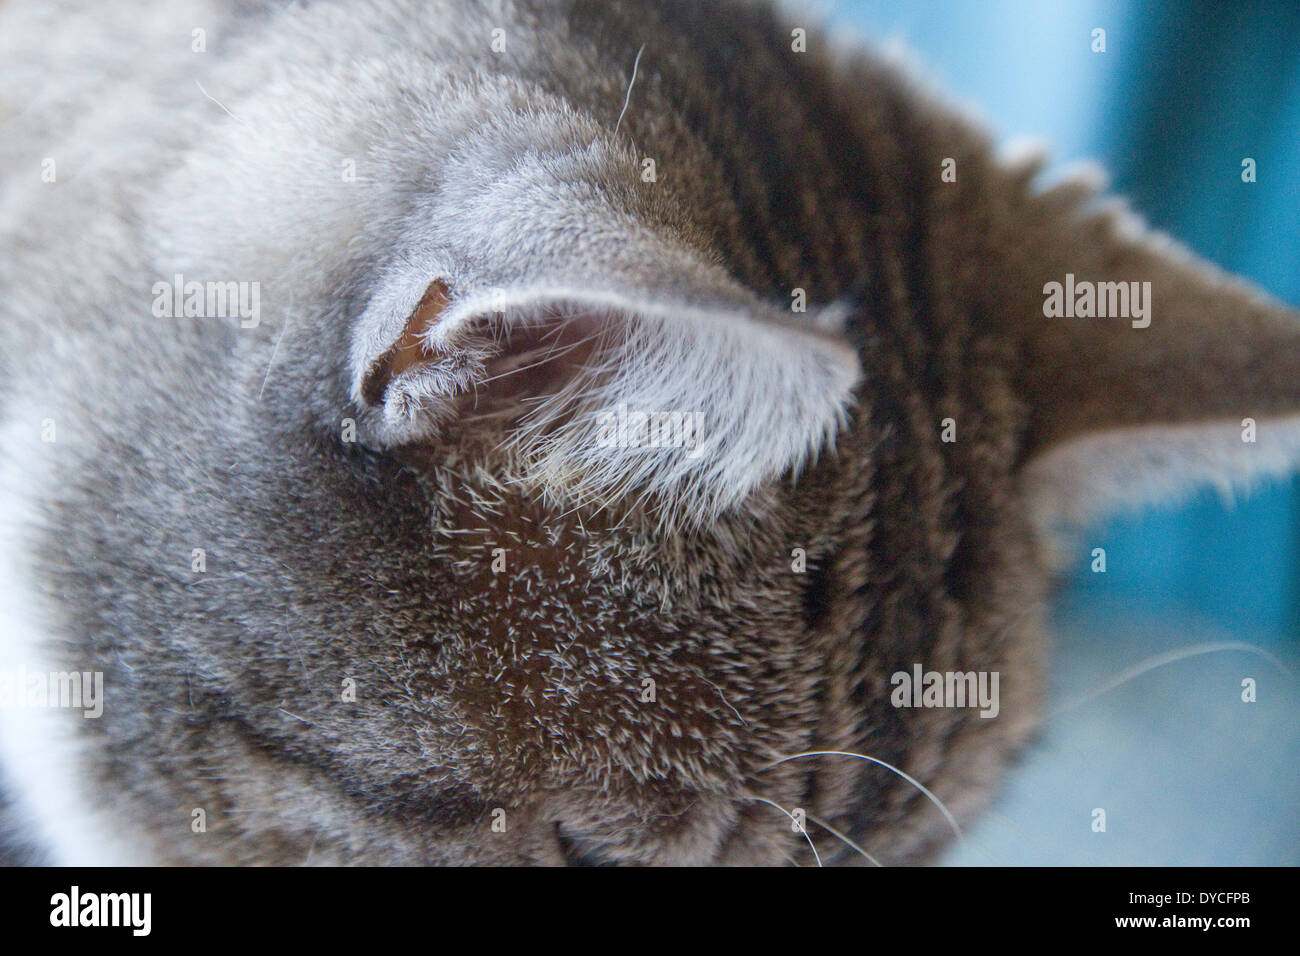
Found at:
[500, 174]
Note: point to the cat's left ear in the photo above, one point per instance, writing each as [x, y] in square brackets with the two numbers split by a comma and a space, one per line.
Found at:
[1147, 373]
[681, 384]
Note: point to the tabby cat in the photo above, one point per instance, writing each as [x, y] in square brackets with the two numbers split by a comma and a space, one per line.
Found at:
[543, 431]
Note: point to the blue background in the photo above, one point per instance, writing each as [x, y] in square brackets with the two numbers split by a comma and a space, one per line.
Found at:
[1186, 772]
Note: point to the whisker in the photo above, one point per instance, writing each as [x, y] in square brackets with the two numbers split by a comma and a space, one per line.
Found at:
[1169, 657]
[269, 365]
[952, 821]
[628, 99]
[836, 833]
[804, 830]
[219, 103]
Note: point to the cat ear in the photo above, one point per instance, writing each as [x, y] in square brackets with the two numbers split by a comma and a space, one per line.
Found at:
[693, 389]
[1195, 382]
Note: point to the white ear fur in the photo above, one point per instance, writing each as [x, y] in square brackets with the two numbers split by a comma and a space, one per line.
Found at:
[1127, 468]
[695, 403]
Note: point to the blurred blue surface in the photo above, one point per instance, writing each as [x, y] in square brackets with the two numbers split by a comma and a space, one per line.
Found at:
[1183, 92]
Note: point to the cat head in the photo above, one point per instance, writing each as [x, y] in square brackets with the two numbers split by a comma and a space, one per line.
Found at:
[574, 498]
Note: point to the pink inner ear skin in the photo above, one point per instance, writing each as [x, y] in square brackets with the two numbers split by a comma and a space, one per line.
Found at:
[538, 358]
[410, 349]
[493, 365]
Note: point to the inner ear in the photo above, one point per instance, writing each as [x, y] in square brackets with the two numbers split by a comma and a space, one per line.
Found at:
[550, 356]
[543, 358]
[601, 391]
[411, 348]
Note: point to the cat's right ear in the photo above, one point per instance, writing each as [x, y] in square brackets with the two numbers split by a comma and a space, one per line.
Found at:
[685, 386]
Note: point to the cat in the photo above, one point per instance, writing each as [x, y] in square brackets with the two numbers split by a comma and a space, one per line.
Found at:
[542, 432]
